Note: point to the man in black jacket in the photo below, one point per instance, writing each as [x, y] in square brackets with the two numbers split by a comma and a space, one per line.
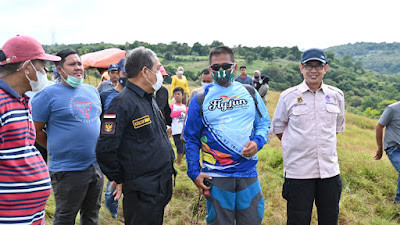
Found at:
[162, 101]
[133, 148]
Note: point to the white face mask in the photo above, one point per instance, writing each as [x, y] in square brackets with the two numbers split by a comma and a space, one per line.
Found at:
[159, 81]
[204, 85]
[41, 80]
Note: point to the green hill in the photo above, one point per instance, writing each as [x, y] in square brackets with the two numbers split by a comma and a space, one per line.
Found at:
[380, 57]
[368, 185]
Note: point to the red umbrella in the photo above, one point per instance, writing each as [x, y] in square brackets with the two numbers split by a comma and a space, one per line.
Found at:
[102, 59]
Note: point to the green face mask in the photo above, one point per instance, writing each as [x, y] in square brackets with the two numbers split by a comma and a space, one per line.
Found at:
[71, 80]
[223, 77]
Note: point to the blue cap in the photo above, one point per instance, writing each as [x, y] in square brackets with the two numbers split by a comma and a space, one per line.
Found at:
[121, 64]
[113, 67]
[314, 54]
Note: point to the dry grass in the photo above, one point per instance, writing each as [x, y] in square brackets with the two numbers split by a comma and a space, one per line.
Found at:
[368, 185]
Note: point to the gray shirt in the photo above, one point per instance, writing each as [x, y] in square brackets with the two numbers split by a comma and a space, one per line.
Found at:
[247, 80]
[391, 119]
[105, 85]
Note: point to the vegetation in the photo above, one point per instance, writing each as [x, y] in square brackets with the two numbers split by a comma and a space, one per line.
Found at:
[366, 92]
[369, 186]
[380, 57]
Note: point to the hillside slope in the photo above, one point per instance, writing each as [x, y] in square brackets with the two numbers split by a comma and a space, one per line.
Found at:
[368, 185]
[380, 57]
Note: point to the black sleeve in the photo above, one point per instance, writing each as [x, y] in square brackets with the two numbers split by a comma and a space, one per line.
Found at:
[167, 110]
[111, 133]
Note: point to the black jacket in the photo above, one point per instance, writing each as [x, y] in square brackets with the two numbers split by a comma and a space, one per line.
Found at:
[133, 147]
[162, 102]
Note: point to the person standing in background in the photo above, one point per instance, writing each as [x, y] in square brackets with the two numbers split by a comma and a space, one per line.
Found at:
[244, 78]
[180, 81]
[390, 119]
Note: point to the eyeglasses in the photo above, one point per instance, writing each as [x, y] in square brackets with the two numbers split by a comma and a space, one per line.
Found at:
[224, 66]
[309, 67]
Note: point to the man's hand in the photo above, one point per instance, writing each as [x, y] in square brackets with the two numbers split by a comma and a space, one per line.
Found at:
[250, 149]
[169, 132]
[199, 182]
[118, 190]
[182, 139]
[378, 154]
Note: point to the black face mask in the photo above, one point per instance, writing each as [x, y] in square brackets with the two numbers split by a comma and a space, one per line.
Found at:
[123, 81]
[256, 77]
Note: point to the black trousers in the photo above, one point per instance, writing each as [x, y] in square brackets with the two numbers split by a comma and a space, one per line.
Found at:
[145, 209]
[301, 193]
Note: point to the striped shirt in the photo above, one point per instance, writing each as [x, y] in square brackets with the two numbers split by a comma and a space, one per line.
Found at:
[24, 178]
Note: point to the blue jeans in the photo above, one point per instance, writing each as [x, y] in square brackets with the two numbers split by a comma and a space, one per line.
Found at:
[394, 157]
[111, 204]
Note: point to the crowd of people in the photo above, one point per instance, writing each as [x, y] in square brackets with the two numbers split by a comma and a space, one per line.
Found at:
[123, 129]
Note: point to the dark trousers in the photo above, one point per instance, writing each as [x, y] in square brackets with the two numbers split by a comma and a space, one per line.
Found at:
[76, 191]
[144, 209]
[301, 193]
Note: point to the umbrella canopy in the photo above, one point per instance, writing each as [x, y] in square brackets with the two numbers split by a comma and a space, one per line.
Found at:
[102, 59]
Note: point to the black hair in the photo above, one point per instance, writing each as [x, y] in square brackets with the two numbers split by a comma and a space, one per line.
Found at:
[205, 71]
[178, 89]
[241, 67]
[64, 54]
[221, 50]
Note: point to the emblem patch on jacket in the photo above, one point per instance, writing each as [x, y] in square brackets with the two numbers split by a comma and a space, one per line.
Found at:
[108, 127]
[141, 122]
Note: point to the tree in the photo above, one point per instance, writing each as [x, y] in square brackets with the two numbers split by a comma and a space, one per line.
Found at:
[267, 53]
[216, 44]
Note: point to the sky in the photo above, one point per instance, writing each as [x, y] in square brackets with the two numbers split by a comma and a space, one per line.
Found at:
[279, 23]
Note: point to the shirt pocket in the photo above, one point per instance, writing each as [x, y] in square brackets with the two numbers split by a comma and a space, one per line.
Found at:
[300, 116]
[332, 112]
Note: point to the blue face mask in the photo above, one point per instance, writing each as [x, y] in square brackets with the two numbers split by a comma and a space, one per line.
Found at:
[71, 80]
[180, 72]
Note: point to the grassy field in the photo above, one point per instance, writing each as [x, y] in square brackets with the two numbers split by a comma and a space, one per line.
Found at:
[368, 185]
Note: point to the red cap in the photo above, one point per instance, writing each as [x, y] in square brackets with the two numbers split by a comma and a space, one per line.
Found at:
[22, 48]
[163, 71]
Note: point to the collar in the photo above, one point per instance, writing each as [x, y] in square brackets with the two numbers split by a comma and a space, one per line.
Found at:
[303, 87]
[7, 88]
[139, 91]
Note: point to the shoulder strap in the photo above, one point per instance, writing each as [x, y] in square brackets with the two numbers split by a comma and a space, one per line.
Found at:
[252, 92]
[200, 100]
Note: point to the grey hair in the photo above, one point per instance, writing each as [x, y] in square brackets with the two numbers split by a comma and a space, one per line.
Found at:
[138, 58]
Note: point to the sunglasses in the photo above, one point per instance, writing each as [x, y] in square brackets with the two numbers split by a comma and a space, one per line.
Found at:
[224, 66]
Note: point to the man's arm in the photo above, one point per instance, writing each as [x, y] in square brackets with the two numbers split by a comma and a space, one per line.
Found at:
[110, 139]
[261, 130]
[379, 136]
[192, 135]
[41, 136]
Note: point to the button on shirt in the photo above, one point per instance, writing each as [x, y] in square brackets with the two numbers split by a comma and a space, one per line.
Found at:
[309, 122]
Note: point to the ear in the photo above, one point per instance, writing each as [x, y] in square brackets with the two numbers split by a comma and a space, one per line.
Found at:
[235, 69]
[301, 67]
[326, 67]
[144, 70]
[25, 66]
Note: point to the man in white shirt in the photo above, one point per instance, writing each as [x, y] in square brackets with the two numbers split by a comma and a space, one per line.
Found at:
[307, 120]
